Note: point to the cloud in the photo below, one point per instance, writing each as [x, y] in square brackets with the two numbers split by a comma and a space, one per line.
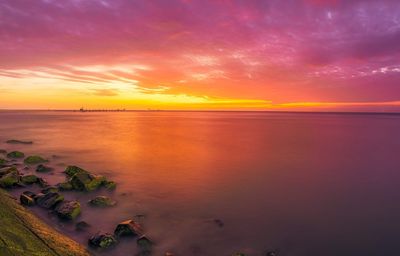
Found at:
[105, 92]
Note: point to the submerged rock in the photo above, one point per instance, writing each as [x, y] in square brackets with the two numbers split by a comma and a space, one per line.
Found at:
[7, 170]
[71, 170]
[86, 182]
[3, 161]
[65, 186]
[271, 253]
[42, 182]
[15, 154]
[102, 240]
[3, 151]
[110, 185]
[27, 198]
[34, 160]
[128, 228]
[82, 225]
[102, 201]
[18, 142]
[50, 189]
[144, 243]
[29, 179]
[9, 180]
[43, 168]
[68, 210]
[49, 200]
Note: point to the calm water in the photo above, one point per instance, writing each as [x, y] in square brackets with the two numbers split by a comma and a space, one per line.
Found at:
[302, 184]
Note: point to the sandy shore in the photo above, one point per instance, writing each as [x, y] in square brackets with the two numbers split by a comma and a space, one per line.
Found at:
[22, 233]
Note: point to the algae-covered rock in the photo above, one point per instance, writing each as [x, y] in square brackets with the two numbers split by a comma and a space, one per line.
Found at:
[102, 201]
[65, 186]
[144, 243]
[34, 160]
[110, 185]
[49, 200]
[27, 198]
[15, 154]
[9, 180]
[128, 228]
[42, 182]
[86, 182]
[102, 240]
[50, 189]
[43, 168]
[18, 142]
[29, 179]
[3, 161]
[68, 210]
[7, 170]
[71, 170]
[82, 225]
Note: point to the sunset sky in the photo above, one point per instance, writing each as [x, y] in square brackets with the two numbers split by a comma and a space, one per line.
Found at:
[184, 54]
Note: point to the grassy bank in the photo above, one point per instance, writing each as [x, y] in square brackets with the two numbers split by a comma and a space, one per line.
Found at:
[22, 233]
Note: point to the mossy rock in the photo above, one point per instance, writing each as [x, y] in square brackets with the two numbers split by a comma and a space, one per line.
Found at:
[102, 201]
[110, 185]
[65, 186]
[128, 228]
[86, 182]
[9, 180]
[27, 198]
[15, 155]
[95, 183]
[35, 160]
[144, 243]
[19, 142]
[68, 210]
[50, 189]
[29, 179]
[71, 170]
[102, 240]
[43, 168]
[3, 161]
[49, 200]
[7, 170]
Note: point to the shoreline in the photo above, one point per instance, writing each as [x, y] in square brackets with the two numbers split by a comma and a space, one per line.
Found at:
[23, 233]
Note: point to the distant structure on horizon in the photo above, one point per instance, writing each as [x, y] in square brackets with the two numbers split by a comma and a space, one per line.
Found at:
[101, 110]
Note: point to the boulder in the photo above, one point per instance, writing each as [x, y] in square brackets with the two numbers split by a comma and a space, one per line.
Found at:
[43, 168]
[65, 186]
[102, 201]
[71, 170]
[42, 182]
[49, 200]
[128, 228]
[18, 142]
[68, 210]
[9, 180]
[86, 182]
[7, 170]
[82, 225]
[27, 198]
[15, 154]
[34, 160]
[29, 179]
[49, 189]
[102, 240]
[110, 185]
[144, 243]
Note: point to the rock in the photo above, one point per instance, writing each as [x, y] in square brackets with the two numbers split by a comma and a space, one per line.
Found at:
[27, 198]
[9, 180]
[110, 185]
[15, 154]
[43, 168]
[82, 225]
[86, 182]
[3, 151]
[68, 210]
[34, 160]
[102, 240]
[49, 200]
[65, 186]
[144, 243]
[128, 228]
[71, 170]
[18, 142]
[29, 179]
[42, 182]
[7, 170]
[50, 189]
[271, 253]
[219, 223]
[3, 161]
[102, 201]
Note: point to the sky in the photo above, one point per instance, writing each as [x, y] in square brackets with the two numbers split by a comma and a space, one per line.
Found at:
[325, 55]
